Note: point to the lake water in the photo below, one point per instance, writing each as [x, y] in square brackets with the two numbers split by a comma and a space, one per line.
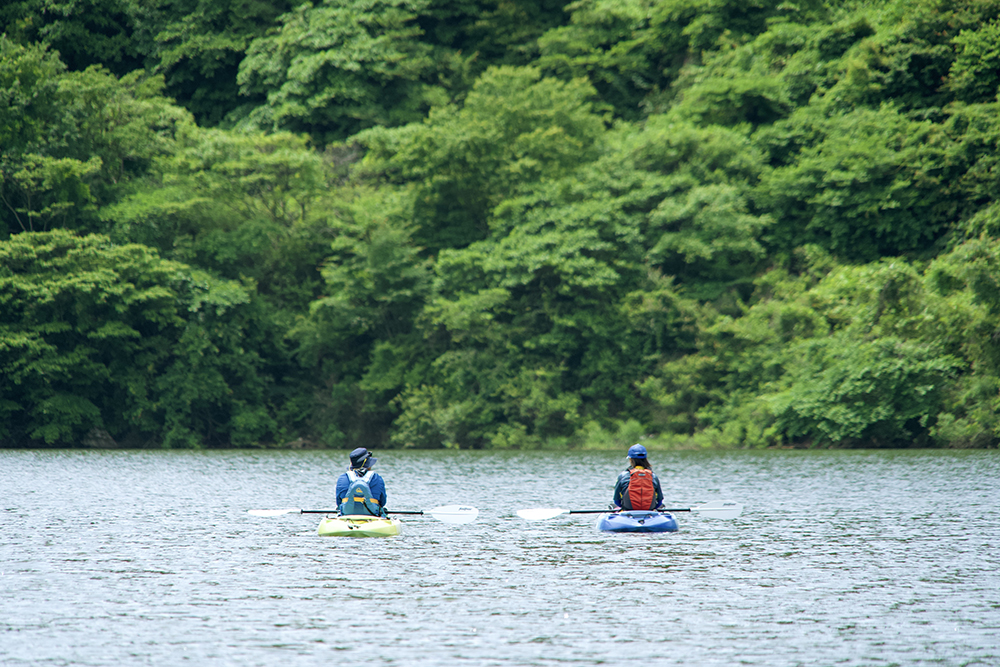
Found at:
[840, 558]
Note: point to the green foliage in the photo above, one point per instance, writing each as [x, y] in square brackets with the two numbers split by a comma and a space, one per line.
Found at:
[361, 335]
[515, 127]
[632, 51]
[500, 224]
[627, 49]
[50, 191]
[538, 329]
[196, 45]
[83, 32]
[872, 355]
[877, 393]
[494, 31]
[252, 208]
[763, 80]
[97, 335]
[909, 58]
[244, 205]
[702, 229]
[975, 74]
[74, 141]
[29, 91]
[975, 134]
[341, 66]
[199, 45]
[869, 185]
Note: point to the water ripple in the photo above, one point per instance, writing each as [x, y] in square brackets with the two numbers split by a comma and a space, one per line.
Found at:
[847, 558]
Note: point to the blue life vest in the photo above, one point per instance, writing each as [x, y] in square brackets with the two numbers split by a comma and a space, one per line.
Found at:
[358, 500]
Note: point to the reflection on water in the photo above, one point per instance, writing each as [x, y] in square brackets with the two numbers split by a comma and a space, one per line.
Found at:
[847, 558]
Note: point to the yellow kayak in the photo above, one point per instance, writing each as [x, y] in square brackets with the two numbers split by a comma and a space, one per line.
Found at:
[358, 526]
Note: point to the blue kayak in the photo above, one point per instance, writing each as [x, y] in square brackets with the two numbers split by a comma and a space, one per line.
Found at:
[635, 521]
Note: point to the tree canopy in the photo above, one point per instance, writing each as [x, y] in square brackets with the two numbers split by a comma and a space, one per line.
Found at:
[500, 223]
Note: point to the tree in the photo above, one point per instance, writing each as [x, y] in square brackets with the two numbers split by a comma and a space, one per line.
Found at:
[82, 32]
[515, 127]
[98, 335]
[74, 141]
[255, 208]
[198, 47]
[633, 51]
[361, 335]
[341, 66]
[864, 184]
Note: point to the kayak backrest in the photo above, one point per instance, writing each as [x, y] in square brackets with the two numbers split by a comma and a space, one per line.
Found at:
[359, 500]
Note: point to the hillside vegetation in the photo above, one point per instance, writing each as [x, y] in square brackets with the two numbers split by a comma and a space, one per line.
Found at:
[500, 223]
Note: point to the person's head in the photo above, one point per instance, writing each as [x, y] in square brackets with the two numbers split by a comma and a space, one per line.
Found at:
[362, 459]
[637, 456]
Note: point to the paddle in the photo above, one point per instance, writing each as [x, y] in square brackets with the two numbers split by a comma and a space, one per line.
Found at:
[445, 513]
[717, 509]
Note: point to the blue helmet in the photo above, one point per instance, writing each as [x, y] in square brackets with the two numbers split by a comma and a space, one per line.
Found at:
[637, 452]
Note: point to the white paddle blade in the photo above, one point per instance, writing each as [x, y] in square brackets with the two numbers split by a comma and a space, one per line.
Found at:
[720, 509]
[454, 513]
[272, 512]
[541, 513]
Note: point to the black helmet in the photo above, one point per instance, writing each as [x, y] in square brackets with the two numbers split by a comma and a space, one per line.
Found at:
[362, 458]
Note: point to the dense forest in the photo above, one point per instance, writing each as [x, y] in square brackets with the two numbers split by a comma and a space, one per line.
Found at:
[500, 223]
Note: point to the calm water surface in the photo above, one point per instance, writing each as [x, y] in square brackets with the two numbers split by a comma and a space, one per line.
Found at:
[840, 558]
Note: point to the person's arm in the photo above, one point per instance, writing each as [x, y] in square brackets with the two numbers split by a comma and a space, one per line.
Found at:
[342, 485]
[378, 490]
[620, 486]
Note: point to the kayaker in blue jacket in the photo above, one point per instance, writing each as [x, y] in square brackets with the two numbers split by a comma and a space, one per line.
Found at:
[638, 487]
[368, 496]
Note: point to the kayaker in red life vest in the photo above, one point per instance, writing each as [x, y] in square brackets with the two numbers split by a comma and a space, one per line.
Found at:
[638, 488]
[372, 485]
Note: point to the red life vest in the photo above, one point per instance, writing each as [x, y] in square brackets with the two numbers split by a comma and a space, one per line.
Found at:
[641, 492]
